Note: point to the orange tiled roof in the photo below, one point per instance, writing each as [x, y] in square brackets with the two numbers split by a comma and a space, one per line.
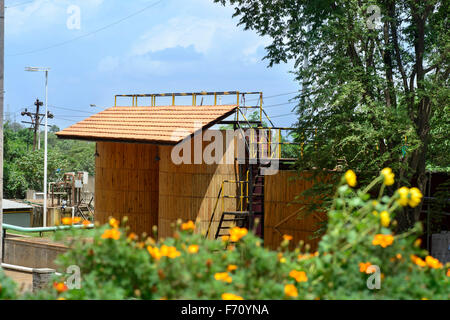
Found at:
[161, 124]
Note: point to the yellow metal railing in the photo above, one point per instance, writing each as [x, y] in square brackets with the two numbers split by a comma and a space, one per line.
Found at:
[243, 194]
[194, 95]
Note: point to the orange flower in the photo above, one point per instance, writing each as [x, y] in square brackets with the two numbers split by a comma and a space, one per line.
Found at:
[290, 291]
[86, 223]
[193, 248]
[188, 225]
[364, 266]
[225, 238]
[223, 276]
[114, 223]
[448, 272]
[60, 287]
[170, 252]
[154, 252]
[418, 261]
[383, 240]
[111, 234]
[433, 263]
[231, 267]
[132, 236]
[237, 233]
[287, 237]
[230, 296]
[299, 276]
[398, 256]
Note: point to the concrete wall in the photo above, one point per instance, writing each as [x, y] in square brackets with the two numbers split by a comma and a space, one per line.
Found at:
[32, 252]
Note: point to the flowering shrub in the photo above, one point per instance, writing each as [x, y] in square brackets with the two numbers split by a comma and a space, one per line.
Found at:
[359, 246]
[7, 287]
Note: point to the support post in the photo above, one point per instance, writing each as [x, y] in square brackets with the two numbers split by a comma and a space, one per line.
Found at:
[42, 278]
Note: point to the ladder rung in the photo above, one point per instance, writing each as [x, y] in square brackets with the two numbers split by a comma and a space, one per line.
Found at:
[236, 212]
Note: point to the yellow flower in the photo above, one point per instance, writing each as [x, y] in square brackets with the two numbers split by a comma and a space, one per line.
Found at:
[237, 233]
[388, 176]
[418, 242]
[418, 261]
[188, 226]
[281, 258]
[66, 221]
[114, 223]
[231, 267]
[290, 291]
[299, 276]
[111, 234]
[76, 220]
[375, 213]
[416, 197]
[193, 248]
[433, 263]
[287, 237]
[230, 296]
[225, 238]
[223, 276]
[385, 218]
[383, 240]
[350, 177]
[403, 193]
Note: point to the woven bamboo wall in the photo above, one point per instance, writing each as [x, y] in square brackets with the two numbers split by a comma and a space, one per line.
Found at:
[189, 191]
[280, 218]
[127, 184]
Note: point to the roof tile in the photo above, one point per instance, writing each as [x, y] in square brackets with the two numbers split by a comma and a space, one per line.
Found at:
[161, 124]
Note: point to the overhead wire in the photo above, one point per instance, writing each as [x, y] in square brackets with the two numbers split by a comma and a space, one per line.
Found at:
[89, 33]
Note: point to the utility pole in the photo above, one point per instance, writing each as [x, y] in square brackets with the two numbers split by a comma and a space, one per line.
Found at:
[36, 119]
[2, 66]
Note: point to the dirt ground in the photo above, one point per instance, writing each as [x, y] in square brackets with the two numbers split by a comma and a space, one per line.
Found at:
[24, 280]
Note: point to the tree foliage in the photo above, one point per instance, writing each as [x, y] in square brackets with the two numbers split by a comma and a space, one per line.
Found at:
[24, 168]
[371, 89]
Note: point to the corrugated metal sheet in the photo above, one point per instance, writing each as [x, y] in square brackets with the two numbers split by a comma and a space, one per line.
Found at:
[161, 124]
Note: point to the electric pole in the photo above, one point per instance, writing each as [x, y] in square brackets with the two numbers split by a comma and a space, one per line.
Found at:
[2, 65]
[36, 119]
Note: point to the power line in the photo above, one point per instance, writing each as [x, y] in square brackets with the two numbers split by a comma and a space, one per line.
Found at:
[18, 4]
[89, 33]
[72, 109]
[282, 115]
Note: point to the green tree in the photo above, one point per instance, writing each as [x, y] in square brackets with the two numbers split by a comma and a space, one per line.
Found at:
[366, 86]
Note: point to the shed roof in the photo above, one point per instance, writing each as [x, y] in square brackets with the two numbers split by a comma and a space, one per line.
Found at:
[11, 204]
[160, 125]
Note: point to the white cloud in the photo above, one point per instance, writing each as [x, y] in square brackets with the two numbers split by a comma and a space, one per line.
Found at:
[181, 32]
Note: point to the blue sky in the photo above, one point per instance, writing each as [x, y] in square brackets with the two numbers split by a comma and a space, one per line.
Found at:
[174, 46]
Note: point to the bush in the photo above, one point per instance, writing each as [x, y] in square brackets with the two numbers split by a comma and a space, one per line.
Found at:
[359, 242]
[7, 287]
